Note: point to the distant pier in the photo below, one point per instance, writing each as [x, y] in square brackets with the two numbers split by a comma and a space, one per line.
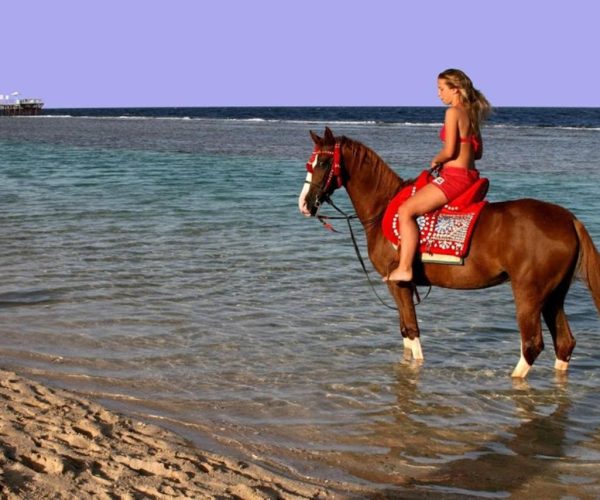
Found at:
[12, 106]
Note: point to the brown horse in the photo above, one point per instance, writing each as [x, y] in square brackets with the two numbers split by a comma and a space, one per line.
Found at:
[537, 246]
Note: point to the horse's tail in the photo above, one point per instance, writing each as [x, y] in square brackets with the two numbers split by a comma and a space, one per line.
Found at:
[588, 266]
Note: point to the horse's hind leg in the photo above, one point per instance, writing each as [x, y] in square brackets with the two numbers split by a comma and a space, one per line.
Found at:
[530, 326]
[556, 319]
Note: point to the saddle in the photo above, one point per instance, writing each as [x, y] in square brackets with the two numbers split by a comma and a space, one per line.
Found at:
[444, 234]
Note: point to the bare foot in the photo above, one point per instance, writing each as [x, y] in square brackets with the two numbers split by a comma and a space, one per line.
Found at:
[399, 275]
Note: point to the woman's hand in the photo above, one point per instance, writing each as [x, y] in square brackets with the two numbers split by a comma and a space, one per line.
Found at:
[435, 167]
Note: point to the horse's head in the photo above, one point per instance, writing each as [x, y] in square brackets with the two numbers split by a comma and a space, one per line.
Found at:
[324, 173]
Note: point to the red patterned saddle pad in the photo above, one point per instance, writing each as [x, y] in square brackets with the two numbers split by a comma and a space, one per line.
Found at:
[446, 231]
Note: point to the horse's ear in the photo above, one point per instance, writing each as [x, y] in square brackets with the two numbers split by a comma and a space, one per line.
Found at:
[316, 139]
[328, 137]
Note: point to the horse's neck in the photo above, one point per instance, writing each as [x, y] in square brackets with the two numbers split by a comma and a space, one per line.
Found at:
[371, 184]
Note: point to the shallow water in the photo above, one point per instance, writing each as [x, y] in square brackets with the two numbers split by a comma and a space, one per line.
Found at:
[163, 267]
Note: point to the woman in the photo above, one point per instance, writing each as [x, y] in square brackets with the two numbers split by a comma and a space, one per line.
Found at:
[467, 108]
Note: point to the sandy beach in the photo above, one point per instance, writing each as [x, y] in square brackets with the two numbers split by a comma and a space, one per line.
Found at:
[56, 444]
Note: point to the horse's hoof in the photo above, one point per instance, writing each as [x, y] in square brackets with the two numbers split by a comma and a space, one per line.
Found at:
[561, 365]
[522, 369]
[413, 347]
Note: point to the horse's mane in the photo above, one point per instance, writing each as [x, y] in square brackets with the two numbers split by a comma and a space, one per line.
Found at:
[383, 174]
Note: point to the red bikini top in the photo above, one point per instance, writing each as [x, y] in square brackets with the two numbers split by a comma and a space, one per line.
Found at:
[472, 139]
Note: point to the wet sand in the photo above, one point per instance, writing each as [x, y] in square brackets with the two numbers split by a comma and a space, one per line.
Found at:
[57, 444]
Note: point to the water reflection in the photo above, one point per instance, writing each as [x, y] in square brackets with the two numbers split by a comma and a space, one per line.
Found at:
[517, 455]
[516, 440]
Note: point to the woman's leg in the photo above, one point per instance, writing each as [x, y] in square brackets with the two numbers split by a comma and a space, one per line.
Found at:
[428, 198]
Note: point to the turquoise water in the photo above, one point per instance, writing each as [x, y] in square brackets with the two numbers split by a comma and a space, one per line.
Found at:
[163, 267]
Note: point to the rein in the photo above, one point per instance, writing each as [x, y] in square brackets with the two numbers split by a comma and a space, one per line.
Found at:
[335, 172]
[348, 219]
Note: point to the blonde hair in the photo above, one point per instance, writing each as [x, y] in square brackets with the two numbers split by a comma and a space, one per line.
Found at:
[477, 106]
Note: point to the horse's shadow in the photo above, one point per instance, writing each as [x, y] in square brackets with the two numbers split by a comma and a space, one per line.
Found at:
[511, 460]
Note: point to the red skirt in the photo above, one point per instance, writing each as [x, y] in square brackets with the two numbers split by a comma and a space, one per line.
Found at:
[454, 181]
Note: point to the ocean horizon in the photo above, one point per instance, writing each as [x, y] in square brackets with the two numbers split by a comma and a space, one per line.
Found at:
[585, 117]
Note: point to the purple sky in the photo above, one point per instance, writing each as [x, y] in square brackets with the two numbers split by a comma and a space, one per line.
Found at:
[107, 53]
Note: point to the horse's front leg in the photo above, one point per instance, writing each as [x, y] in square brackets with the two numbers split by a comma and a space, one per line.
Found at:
[409, 328]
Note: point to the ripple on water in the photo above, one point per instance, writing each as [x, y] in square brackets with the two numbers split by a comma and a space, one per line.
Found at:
[186, 285]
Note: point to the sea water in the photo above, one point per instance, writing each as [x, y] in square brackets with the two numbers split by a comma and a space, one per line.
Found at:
[157, 261]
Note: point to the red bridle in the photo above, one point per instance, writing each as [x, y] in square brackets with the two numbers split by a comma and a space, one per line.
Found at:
[335, 172]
